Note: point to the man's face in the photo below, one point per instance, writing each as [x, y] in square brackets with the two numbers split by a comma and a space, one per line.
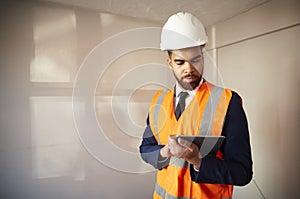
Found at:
[187, 66]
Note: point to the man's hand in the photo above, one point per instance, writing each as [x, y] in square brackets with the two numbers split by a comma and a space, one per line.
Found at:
[165, 151]
[182, 149]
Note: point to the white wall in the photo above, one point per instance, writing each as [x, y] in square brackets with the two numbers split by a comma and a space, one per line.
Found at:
[42, 155]
[258, 56]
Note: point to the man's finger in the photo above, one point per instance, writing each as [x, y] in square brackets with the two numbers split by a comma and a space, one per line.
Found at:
[184, 142]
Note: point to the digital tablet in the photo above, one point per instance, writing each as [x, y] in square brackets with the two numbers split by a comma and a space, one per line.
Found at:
[208, 145]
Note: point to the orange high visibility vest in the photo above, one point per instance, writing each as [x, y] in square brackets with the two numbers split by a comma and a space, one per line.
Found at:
[203, 116]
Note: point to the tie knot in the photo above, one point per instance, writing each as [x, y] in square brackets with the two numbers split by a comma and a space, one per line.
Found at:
[183, 95]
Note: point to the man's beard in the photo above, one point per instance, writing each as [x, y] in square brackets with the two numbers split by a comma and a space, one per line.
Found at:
[189, 85]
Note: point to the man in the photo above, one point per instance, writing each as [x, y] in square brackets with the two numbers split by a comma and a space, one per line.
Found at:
[194, 107]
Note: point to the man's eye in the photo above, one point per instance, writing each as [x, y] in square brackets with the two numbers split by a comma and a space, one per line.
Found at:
[196, 60]
[179, 62]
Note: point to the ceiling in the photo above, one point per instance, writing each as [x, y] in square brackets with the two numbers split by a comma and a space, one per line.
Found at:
[208, 11]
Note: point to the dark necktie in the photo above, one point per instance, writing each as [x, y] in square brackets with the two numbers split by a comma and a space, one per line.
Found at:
[181, 104]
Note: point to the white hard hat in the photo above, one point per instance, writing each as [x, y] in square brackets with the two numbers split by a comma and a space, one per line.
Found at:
[182, 30]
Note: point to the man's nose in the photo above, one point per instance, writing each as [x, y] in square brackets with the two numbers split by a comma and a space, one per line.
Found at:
[189, 68]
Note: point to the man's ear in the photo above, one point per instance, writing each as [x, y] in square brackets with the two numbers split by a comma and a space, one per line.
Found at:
[170, 63]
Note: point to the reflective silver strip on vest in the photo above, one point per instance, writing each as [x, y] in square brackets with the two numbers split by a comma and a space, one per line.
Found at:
[210, 109]
[179, 162]
[156, 112]
[163, 194]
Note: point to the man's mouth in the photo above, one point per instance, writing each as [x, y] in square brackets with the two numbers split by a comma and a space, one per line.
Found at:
[190, 78]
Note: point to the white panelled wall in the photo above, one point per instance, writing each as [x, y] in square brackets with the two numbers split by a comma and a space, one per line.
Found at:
[42, 154]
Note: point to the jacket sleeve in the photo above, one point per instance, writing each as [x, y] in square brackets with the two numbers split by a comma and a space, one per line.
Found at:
[150, 149]
[236, 166]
